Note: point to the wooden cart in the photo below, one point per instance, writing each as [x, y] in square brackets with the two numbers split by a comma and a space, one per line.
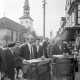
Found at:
[37, 69]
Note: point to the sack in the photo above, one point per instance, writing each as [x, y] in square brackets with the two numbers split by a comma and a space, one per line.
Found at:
[24, 68]
[79, 54]
[76, 66]
[5, 78]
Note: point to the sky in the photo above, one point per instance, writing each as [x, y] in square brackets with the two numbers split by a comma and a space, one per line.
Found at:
[55, 9]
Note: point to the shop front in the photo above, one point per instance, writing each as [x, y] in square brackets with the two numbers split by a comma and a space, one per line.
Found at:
[70, 33]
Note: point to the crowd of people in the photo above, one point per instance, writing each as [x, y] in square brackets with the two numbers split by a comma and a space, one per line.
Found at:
[14, 55]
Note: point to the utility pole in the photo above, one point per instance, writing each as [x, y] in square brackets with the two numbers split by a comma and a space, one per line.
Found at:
[44, 3]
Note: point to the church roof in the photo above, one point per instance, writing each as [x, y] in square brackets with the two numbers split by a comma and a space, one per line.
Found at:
[26, 3]
[25, 17]
[63, 18]
[10, 24]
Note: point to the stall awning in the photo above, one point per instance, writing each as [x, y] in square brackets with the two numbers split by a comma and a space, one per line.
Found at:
[70, 33]
[64, 36]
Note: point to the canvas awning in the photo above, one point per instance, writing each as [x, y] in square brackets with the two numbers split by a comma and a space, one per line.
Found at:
[64, 35]
[70, 33]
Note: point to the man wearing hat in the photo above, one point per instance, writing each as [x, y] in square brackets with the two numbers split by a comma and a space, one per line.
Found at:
[59, 48]
[26, 52]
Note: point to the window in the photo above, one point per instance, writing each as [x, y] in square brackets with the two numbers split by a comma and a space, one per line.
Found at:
[21, 22]
[26, 21]
[25, 10]
[70, 20]
[78, 6]
[78, 13]
[78, 20]
[72, 1]
[72, 17]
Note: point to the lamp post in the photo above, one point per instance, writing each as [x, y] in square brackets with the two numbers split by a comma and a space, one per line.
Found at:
[44, 3]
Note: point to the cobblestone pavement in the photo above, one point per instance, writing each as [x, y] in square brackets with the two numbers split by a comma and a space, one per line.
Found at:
[20, 75]
[77, 77]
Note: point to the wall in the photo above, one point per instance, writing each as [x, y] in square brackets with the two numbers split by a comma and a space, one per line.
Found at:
[27, 23]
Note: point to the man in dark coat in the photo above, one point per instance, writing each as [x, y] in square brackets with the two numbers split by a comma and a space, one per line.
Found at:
[38, 49]
[2, 63]
[17, 62]
[59, 48]
[45, 45]
[49, 48]
[10, 65]
[26, 52]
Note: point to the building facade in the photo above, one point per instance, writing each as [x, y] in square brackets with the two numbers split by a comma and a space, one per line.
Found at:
[13, 31]
[10, 31]
[72, 11]
[71, 24]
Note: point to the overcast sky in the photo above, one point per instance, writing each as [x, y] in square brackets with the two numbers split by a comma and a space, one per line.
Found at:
[55, 9]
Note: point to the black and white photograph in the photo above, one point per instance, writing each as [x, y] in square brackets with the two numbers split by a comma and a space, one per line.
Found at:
[39, 39]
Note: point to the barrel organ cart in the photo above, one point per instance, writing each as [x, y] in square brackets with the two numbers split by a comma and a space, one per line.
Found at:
[63, 67]
[38, 69]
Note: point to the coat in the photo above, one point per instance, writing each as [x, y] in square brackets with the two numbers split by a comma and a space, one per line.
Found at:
[49, 49]
[9, 57]
[57, 51]
[38, 53]
[2, 61]
[45, 45]
[24, 52]
[17, 61]
[10, 65]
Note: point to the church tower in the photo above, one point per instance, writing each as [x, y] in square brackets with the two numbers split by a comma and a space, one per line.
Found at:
[26, 20]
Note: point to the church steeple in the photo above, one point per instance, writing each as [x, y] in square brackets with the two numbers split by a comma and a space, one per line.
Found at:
[26, 8]
[26, 20]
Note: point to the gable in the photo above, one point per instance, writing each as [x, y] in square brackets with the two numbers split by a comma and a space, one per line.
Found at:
[10, 24]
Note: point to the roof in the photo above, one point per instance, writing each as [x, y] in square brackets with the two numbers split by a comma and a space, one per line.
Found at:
[25, 17]
[71, 28]
[63, 24]
[10, 24]
[26, 3]
[63, 18]
[69, 33]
